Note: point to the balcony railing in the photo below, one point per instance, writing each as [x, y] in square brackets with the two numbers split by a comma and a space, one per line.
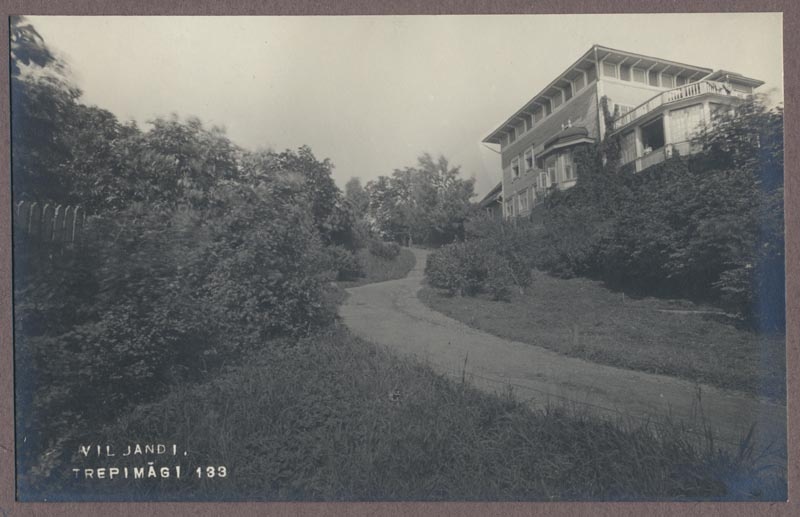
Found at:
[680, 93]
[657, 156]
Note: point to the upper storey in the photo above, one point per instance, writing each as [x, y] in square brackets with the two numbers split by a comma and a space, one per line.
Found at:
[627, 78]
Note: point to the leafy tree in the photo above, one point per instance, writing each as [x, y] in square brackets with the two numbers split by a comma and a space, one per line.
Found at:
[749, 136]
[357, 196]
[427, 203]
[386, 208]
[27, 46]
[194, 251]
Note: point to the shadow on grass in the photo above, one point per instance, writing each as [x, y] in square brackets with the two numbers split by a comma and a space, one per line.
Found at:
[331, 418]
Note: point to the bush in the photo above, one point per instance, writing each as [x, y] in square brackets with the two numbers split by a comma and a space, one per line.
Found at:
[469, 268]
[384, 250]
[158, 295]
[518, 243]
[345, 264]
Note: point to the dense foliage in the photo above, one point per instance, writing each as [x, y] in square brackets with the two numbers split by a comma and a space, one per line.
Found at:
[426, 204]
[469, 268]
[708, 226]
[194, 251]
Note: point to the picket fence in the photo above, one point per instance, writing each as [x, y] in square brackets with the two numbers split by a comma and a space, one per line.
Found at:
[48, 222]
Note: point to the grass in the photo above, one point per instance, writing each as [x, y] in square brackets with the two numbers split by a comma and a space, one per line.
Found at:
[582, 318]
[332, 417]
[378, 269]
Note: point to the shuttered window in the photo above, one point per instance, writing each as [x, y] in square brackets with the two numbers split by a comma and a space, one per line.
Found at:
[628, 147]
[684, 122]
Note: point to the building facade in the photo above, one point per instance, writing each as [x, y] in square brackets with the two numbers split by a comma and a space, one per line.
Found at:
[657, 105]
[492, 202]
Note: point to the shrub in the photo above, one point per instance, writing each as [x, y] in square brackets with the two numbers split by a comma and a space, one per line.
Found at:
[384, 250]
[518, 243]
[159, 295]
[469, 268]
[345, 264]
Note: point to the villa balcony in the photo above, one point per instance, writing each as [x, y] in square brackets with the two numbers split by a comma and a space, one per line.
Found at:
[663, 153]
[677, 94]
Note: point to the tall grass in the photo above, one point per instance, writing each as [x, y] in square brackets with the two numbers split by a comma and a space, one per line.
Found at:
[332, 417]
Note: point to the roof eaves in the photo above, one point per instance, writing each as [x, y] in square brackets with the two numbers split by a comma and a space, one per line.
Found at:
[490, 138]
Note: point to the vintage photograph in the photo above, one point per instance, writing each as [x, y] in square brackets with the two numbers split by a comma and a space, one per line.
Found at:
[399, 258]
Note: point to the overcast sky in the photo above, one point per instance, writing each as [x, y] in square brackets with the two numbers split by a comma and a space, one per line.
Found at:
[373, 93]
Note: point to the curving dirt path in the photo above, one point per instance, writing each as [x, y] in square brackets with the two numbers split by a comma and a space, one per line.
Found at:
[389, 313]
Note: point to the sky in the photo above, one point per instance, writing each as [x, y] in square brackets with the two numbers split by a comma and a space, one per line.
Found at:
[372, 93]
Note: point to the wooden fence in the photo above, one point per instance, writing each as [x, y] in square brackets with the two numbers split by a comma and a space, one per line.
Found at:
[48, 222]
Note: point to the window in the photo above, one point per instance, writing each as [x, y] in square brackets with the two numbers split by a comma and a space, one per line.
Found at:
[639, 75]
[628, 147]
[515, 168]
[541, 181]
[667, 81]
[625, 72]
[578, 83]
[510, 207]
[548, 109]
[537, 114]
[529, 159]
[512, 135]
[591, 74]
[528, 123]
[522, 201]
[609, 69]
[684, 122]
[569, 168]
[550, 166]
[568, 92]
[653, 135]
[556, 100]
[653, 76]
[680, 81]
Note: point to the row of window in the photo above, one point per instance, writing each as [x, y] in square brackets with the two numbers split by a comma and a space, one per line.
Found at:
[528, 160]
[639, 75]
[546, 105]
[548, 166]
[523, 199]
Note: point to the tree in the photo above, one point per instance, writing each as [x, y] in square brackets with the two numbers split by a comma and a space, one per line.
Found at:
[43, 105]
[357, 196]
[427, 203]
[749, 136]
[27, 46]
[748, 141]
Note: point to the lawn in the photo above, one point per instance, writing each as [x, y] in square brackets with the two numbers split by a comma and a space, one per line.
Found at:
[332, 417]
[582, 318]
[378, 269]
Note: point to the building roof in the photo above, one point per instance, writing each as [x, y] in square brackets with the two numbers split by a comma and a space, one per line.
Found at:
[567, 135]
[725, 75]
[587, 61]
[492, 196]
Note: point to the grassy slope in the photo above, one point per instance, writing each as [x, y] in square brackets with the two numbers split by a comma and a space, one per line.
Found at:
[332, 417]
[582, 318]
[378, 269]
